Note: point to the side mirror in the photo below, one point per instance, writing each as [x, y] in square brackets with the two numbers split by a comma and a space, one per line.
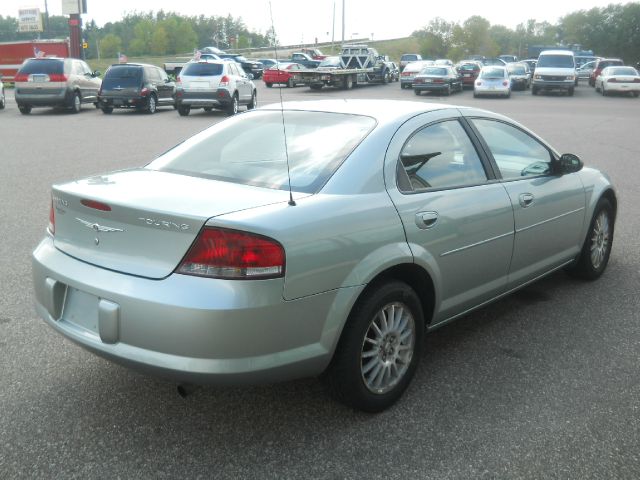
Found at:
[569, 163]
[96, 73]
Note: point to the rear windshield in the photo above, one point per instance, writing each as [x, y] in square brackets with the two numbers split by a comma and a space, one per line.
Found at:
[469, 67]
[434, 71]
[45, 65]
[123, 76]
[202, 69]
[623, 71]
[250, 149]
[609, 63]
[492, 73]
[409, 57]
[517, 70]
[555, 61]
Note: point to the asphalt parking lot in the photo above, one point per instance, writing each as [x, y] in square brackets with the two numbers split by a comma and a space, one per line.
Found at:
[542, 384]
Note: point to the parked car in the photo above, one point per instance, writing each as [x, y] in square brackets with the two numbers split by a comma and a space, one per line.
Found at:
[602, 64]
[585, 70]
[555, 70]
[252, 68]
[493, 80]
[3, 98]
[213, 50]
[332, 63]
[213, 265]
[520, 75]
[213, 84]
[282, 73]
[493, 61]
[55, 82]
[469, 71]
[532, 62]
[411, 70]
[407, 58]
[267, 62]
[441, 79]
[394, 71]
[508, 58]
[136, 85]
[618, 80]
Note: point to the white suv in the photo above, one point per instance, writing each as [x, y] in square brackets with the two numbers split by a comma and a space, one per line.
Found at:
[213, 84]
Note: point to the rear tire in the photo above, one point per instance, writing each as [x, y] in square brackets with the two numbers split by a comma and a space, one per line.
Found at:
[636, 94]
[76, 103]
[570, 92]
[183, 110]
[379, 349]
[3, 102]
[107, 110]
[596, 250]
[24, 109]
[347, 83]
[269, 85]
[534, 91]
[290, 83]
[417, 92]
[152, 104]
[254, 101]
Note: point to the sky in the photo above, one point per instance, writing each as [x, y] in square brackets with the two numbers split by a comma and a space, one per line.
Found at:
[298, 21]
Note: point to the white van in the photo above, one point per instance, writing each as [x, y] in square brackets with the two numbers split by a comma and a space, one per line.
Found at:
[555, 70]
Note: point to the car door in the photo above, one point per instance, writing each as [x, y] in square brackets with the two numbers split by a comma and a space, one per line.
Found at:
[457, 218]
[242, 82]
[92, 83]
[549, 209]
[166, 88]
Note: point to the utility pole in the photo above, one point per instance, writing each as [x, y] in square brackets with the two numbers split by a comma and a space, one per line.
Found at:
[343, 2]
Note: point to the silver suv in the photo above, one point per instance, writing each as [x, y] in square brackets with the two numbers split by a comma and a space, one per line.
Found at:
[55, 82]
[213, 84]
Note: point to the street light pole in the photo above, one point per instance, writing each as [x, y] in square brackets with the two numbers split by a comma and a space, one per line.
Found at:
[343, 9]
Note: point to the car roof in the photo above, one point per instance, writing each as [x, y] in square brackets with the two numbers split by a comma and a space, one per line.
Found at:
[557, 52]
[383, 111]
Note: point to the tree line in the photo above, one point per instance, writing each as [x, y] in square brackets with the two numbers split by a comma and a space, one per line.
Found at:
[611, 31]
[149, 33]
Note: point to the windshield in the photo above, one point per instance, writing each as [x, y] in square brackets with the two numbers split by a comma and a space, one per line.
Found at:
[330, 62]
[202, 69]
[250, 149]
[555, 61]
[123, 72]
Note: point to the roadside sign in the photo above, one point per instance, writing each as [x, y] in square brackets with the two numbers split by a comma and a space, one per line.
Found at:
[29, 20]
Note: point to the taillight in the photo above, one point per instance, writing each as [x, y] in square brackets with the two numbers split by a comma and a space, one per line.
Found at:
[505, 83]
[231, 254]
[178, 81]
[636, 80]
[144, 91]
[438, 80]
[478, 84]
[52, 220]
[224, 81]
[95, 205]
[406, 74]
[21, 77]
[612, 80]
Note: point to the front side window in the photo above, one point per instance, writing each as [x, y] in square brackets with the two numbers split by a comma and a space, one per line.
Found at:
[439, 156]
[516, 153]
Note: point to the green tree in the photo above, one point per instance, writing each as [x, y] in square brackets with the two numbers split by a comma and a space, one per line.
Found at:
[110, 45]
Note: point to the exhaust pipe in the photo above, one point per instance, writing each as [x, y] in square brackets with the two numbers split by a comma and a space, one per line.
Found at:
[186, 389]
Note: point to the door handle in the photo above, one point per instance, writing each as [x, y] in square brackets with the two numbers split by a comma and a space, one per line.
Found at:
[526, 199]
[426, 220]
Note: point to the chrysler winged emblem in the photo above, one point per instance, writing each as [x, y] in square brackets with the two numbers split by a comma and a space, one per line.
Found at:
[98, 228]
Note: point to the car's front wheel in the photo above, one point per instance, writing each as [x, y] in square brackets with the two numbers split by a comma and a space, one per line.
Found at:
[594, 256]
[379, 349]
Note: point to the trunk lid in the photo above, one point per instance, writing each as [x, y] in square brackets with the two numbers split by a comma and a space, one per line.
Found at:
[142, 222]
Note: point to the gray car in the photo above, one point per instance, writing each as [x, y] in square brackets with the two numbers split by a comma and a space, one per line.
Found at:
[55, 82]
[237, 257]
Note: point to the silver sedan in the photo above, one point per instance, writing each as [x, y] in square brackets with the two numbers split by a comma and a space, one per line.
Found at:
[239, 257]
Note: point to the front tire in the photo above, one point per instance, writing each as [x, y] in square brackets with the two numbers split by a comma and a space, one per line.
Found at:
[3, 102]
[379, 348]
[596, 250]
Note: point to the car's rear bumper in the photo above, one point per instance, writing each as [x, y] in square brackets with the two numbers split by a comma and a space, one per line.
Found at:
[430, 87]
[491, 91]
[186, 328]
[45, 98]
[622, 87]
[198, 98]
[124, 101]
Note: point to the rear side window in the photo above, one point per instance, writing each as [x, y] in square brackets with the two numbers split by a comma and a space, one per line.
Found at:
[439, 156]
[203, 69]
[45, 65]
